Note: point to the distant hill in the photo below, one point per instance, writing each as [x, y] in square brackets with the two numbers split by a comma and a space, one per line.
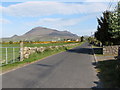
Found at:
[42, 34]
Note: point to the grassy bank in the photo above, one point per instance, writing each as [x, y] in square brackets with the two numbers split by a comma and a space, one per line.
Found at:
[109, 73]
[35, 57]
[108, 69]
[97, 50]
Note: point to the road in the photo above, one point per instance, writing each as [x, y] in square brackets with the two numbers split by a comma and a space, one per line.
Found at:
[70, 69]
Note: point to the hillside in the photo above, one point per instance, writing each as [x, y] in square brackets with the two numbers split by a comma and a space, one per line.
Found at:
[42, 34]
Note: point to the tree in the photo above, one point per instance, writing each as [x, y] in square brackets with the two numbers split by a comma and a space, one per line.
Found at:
[114, 25]
[102, 34]
[108, 31]
[82, 38]
[10, 42]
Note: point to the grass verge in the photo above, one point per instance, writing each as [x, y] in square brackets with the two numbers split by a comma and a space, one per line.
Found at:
[109, 73]
[98, 50]
[108, 70]
[35, 57]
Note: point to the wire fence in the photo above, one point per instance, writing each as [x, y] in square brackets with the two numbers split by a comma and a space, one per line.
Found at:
[9, 55]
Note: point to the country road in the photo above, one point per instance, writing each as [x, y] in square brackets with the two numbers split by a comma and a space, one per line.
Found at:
[70, 69]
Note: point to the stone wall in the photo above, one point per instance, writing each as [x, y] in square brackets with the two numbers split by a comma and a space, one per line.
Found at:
[110, 50]
[27, 51]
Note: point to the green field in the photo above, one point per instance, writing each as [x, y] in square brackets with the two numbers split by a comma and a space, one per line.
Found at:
[34, 45]
[12, 57]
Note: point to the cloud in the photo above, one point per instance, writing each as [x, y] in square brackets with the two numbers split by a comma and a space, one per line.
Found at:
[4, 21]
[100, 1]
[60, 0]
[59, 23]
[56, 23]
[35, 9]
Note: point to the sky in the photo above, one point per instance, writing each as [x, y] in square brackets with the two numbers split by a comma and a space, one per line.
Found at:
[78, 16]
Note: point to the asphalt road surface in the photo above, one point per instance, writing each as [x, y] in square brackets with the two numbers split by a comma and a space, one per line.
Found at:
[70, 69]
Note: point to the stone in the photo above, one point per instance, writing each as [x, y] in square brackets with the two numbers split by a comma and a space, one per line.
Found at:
[41, 49]
[26, 56]
[26, 49]
[110, 50]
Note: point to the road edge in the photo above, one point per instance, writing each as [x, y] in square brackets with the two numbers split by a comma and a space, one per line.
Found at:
[95, 58]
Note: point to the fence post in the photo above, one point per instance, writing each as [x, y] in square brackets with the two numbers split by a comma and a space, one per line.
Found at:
[21, 51]
[13, 54]
[6, 55]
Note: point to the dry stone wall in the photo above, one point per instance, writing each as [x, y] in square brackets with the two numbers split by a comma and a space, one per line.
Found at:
[27, 51]
[111, 50]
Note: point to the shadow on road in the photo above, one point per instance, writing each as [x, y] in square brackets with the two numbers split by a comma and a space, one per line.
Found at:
[44, 65]
[81, 50]
[86, 50]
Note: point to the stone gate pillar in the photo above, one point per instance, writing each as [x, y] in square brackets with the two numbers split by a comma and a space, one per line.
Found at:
[21, 51]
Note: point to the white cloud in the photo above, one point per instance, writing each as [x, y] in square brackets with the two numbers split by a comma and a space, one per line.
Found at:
[4, 21]
[60, 0]
[59, 23]
[100, 0]
[34, 9]
[56, 23]
[1, 8]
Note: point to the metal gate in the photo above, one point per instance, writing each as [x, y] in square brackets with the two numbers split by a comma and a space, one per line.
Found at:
[9, 55]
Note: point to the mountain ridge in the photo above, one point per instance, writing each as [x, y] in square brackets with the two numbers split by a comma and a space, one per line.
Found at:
[42, 34]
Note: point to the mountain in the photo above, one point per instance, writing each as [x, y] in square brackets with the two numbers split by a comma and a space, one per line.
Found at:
[42, 34]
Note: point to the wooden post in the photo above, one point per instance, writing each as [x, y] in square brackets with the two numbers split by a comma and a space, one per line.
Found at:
[21, 51]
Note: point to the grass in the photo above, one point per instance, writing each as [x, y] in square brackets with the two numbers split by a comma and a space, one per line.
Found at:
[108, 70]
[109, 73]
[35, 45]
[98, 50]
[10, 50]
[35, 57]
[45, 45]
[9, 54]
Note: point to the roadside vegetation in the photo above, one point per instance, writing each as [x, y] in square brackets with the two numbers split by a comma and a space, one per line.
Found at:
[38, 56]
[17, 50]
[108, 31]
[107, 34]
[36, 44]
[109, 73]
